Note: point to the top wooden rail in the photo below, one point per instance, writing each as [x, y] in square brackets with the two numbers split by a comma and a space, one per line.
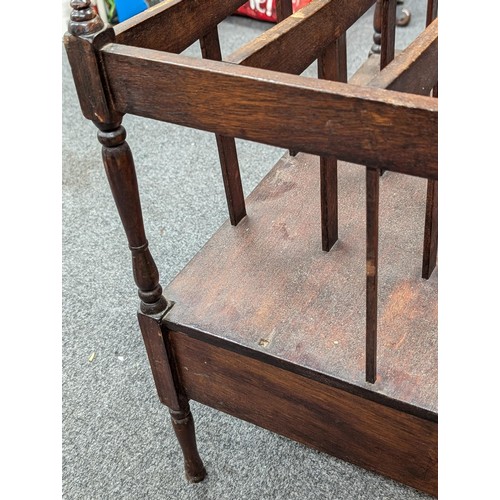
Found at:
[413, 70]
[315, 116]
[174, 25]
[292, 45]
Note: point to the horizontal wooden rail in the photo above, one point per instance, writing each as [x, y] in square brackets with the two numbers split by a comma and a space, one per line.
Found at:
[292, 45]
[360, 125]
[415, 70]
[173, 26]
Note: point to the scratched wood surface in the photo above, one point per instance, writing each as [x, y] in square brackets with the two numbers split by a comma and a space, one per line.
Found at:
[266, 284]
[382, 439]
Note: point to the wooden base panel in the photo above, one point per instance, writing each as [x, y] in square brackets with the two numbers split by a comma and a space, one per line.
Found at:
[371, 435]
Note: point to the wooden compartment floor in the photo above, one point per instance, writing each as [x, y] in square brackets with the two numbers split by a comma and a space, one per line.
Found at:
[269, 328]
[266, 285]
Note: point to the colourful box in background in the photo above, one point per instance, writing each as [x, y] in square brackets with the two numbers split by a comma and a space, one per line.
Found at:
[265, 10]
[129, 8]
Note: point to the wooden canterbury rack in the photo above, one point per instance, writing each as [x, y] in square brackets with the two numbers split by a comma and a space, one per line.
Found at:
[275, 331]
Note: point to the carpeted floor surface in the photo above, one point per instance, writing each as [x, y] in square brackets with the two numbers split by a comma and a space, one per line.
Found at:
[117, 440]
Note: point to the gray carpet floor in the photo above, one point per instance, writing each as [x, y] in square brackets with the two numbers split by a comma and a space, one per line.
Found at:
[117, 440]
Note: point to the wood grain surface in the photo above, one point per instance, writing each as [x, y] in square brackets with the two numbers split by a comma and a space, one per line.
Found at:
[278, 297]
[357, 124]
[384, 440]
[332, 65]
[174, 25]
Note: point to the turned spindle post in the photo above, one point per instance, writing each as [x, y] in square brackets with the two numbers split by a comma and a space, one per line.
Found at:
[403, 20]
[86, 35]
[376, 28]
[83, 20]
[120, 170]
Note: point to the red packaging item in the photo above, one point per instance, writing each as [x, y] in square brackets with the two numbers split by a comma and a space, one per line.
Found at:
[265, 10]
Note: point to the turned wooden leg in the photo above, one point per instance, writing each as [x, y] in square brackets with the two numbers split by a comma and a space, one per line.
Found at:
[120, 171]
[171, 393]
[183, 424]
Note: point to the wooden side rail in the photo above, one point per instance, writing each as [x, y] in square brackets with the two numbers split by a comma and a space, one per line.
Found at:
[429, 258]
[329, 118]
[173, 26]
[292, 45]
[414, 70]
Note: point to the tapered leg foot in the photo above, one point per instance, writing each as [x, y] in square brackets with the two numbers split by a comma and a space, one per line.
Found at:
[183, 424]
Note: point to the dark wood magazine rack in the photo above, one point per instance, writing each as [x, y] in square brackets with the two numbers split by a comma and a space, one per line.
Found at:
[276, 319]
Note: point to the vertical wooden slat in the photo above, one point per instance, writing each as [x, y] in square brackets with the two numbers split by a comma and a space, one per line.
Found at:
[429, 258]
[387, 42]
[431, 230]
[387, 20]
[432, 12]
[283, 9]
[387, 31]
[332, 65]
[329, 202]
[432, 7]
[372, 209]
[210, 49]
